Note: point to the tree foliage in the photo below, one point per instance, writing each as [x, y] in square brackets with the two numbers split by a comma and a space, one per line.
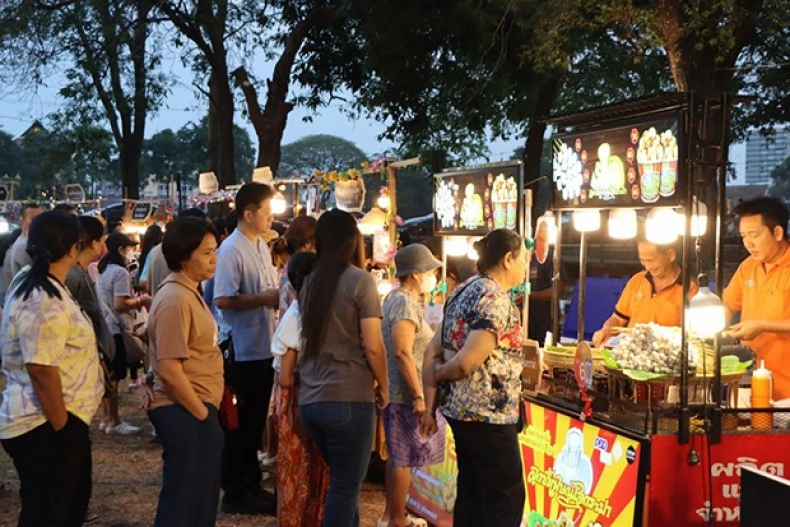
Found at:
[105, 51]
[780, 180]
[186, 151]
[319, 152]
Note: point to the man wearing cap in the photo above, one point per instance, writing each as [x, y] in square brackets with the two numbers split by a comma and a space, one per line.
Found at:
[246, 291]
[760, 288]
[653, 295]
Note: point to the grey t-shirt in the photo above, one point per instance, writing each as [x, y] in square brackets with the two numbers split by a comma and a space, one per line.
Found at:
[157, 269]
[339, 372]
[398, 306]
[81, 286]
[114, 281]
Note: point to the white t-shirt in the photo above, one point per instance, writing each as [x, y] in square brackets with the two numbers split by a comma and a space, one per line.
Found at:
[287, 335]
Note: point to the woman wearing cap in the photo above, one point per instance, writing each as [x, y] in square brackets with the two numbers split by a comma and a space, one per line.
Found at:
[406, 335]
[116, 295]
[476, 360]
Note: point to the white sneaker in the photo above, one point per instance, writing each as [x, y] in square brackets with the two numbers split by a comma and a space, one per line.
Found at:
[382, 523]
[122, 429]
[102, 425]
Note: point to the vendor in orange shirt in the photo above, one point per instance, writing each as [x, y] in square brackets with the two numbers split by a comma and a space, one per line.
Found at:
[653, 295]
[760, 288]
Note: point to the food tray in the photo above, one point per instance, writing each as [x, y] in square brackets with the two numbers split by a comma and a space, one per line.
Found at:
[564, 361]
[726, 378]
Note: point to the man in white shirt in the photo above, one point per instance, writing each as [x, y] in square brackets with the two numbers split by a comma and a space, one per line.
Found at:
[19, 257]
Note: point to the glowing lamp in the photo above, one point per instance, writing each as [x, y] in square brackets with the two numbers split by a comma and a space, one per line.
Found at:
[455, 245]
[661, 225]
[622, 224]
[279, 205]
[372, 222]
[384, 201]
[705, 313]
[587, 220]
[471, 253]
[551, 224]
[699, 219]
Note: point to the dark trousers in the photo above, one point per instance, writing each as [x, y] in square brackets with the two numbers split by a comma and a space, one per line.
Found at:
[252, 381]
[54, 472]
[343, 433]
[192, 451]
[490, 480]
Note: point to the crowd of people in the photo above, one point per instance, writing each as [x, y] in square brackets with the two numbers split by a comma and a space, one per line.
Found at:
[252, 346]
[248, 346]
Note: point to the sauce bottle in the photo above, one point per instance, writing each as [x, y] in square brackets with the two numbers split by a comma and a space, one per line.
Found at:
[762, 387]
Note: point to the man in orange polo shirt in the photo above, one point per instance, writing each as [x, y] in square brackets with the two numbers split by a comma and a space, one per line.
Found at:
[653, 295]
[760, 288]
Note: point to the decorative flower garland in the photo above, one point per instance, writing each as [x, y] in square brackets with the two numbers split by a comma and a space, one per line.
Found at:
[326, 179]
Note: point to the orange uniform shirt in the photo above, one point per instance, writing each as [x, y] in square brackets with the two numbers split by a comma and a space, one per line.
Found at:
[765, 296]
[640, 303]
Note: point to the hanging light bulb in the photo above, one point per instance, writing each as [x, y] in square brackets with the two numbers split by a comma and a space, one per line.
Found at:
[699, 219]
[705, 314]
[384, 201]
[587, 220]
[551, 224]
[279, 205]
[622, 224]
[661, 225]
[455, 245]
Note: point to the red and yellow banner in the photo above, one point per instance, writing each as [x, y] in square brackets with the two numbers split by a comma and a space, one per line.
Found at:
[576, 475]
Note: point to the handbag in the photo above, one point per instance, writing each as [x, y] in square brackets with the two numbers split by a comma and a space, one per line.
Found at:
[131, 333]
[229, 405]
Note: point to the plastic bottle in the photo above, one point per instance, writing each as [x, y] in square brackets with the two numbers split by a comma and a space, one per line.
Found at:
[762, 387]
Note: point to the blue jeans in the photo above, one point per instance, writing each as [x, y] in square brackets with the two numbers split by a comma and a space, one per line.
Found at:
[191, 471]
[343, 432]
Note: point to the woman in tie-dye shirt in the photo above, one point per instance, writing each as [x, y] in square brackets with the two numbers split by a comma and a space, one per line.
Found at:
[54, 380]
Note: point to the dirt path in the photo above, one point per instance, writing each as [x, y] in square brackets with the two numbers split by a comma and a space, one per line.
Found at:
[127, 475]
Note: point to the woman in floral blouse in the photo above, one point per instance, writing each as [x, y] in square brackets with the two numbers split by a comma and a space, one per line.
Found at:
[472, 373]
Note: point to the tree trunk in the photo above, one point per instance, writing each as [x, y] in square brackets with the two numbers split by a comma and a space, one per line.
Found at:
[270, 123]
[533, 148]
[130, 169]
[224, 108]
[213, 129]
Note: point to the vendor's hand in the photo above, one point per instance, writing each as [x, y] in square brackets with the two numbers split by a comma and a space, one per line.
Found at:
[428, 425]
[746, 329]
[144, 299]
[419, 407]
[601, 336]
[382, 397]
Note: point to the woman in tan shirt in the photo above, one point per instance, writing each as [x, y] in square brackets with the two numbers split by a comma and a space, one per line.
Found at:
[188, 380]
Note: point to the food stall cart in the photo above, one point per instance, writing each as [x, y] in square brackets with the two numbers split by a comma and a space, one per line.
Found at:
[469, 203]
[655, 445]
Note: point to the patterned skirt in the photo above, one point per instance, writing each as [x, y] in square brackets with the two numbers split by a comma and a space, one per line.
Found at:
[407, 447]
[302, 474]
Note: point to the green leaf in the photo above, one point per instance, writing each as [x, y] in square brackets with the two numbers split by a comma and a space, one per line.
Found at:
[608, 360]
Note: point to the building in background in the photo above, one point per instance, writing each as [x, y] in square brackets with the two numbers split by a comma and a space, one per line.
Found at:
[763, 154]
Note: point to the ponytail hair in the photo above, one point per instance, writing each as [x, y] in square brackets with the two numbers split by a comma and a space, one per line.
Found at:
[51, 237]
[279, 248]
